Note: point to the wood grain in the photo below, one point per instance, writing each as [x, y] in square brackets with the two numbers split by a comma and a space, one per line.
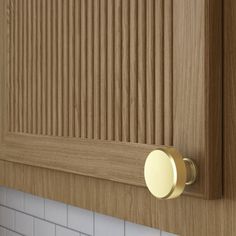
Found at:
[117, 71]
[168, 70]
[81, 156]
[59, 71]
[96, 42]
[90, 69]
[110, 71]
[159, 72]
[90, 75]
[196, 132]
[3, 70]
[197, 89]
[133, 72]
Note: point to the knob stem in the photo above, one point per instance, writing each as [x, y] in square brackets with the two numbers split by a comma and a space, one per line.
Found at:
[191, 171]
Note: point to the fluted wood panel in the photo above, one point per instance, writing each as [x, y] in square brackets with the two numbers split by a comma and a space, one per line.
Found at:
[97, 69]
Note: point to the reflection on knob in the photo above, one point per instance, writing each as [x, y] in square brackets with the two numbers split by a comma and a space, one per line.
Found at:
[166, 172]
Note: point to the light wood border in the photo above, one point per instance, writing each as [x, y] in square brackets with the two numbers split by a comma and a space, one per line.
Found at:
[197, 92]
[109, 160]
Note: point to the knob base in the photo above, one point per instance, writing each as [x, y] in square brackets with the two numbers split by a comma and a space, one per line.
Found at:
[191, 171]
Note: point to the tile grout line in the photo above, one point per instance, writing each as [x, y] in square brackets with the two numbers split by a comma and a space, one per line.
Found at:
[42, 217]
[55, 229]
[34, 226]
[24, 202]
[14, 219]
[36, 217]
[67, 222]
[44, 214]
[124, 228]
[93, 223]
[8, 229]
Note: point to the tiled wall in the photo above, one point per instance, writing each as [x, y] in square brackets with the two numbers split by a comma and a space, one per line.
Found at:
[28, 215]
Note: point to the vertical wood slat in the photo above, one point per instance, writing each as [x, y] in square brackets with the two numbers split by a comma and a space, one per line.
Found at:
[159, 71]
[141, 71]
[11, 68]
[92, 69]
[133, 71]
[25, 77]
[117, 58]
[34, 68]
[38, 69]
[54, 68]
[44, 67]
[77, 65]
[125, 70]
[59, 70]
[168, 72]
[71, 75]
[110, 70]
[83, 75]
[150, 79]
[16, 113]
[65, 69]
[49, 66]
[103, 72]
[20, 64]
[29, 69]
[96, 41]
[90, 93]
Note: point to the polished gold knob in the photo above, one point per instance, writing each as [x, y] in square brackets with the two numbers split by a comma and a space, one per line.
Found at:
[166, 172]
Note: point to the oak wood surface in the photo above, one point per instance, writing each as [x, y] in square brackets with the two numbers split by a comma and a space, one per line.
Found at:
[197, 88]
[86, 69]
[3, 71]
[81, 156]
[144, 78]
[187, 215]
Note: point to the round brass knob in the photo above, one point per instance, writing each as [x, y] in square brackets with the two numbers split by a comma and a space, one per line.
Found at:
[166, 172]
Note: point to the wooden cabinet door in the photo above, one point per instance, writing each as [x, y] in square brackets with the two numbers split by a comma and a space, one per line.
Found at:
[90, 87]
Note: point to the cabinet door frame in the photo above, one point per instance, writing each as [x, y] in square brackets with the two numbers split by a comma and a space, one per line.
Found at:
[193, 63]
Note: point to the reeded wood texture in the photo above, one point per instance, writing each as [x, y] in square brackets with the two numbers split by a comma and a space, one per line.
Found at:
[3, 71]
[146, 72]
[92, 69]
[184, 216]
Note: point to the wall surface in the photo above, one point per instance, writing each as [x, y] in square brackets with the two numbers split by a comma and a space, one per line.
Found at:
[28, 215]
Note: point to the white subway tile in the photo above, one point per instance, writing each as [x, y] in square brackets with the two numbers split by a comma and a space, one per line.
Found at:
[34, 205]
[109, 226]
[2, 195]
[2, 232]
[24, 224]
[140, 230]
[15, 199]
[56, 212]
[80, 219]
[7, 217]
[163, 233]
[43, 228]
[61, 231]
[11, 233]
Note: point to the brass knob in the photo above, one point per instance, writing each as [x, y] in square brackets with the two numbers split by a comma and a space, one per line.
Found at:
[166, 172]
